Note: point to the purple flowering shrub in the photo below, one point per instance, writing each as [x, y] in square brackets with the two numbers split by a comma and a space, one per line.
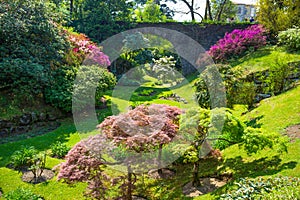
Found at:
[237, 42]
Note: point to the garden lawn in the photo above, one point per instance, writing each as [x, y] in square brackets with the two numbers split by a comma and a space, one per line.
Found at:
[263, 58]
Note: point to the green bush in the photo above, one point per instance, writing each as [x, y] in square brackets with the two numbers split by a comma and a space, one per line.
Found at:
[23, 158]
[59, 150]
[209, 85]
[22, 193]
[290, 39]
[31, 44]
[278, 80]
[284, 188]
[31, 159]
[87, 78]
[59, 92]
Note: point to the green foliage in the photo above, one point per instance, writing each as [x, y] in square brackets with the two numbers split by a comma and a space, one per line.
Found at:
[30, 158]
[221, 11]
[58, 92]
[22, 193]
[59, 149]
[23, 157]
[290, 39]
[278, 78]
[98, 19]
[150, 13]
[265, 188]
[209, 85]
[278, 15]
[31, 43]
[91, 83]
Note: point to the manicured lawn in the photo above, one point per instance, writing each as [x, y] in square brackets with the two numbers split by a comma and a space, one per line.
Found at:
[264, 58]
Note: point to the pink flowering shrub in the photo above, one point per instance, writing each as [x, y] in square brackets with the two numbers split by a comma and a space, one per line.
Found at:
[84, 164]
[138, 130]
[237, 42]
[83, 49]
[143, 127]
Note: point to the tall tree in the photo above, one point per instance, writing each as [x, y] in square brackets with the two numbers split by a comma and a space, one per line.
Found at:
[208, 11]
[150, 13]
[278, 15]
[192, 9]
[98, 18]
[222, 9]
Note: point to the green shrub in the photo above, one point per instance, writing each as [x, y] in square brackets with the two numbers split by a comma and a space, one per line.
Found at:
[23, 158]
[290, 39]
[285, 188]
[59, 149]
[278, 80]
[89, 79]
[31, 159]
[209, 87]
[59, 92]
[22, 193]
[30, 45]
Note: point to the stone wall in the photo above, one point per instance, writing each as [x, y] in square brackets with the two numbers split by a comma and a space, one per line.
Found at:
[205, 34]
[27, 122]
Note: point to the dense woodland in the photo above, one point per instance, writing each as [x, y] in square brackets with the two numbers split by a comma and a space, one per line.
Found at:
[77, 123]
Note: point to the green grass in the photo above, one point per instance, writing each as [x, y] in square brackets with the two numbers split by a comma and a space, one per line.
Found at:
[263, 58]
[276, 113]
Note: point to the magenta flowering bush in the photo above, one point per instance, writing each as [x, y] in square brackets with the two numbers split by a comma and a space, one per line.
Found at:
[237, 42]
[84, 50]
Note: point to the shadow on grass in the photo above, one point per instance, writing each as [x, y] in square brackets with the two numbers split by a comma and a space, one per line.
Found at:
[254, 122]
[41, 143]
[172, 188]
[259, 167]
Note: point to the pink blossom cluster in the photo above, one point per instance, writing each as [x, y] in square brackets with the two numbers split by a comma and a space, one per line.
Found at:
[143, 127]
[238, 42]
[84, 48]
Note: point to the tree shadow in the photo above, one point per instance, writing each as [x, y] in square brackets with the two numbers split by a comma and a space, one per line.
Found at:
[254, 122]
[259, 167]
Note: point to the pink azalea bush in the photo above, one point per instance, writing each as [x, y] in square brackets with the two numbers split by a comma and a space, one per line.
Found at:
[237, 42]
[83, 49]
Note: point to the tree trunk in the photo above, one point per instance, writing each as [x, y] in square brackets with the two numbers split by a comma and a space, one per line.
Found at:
[221, 10]
[129, 183]
[159, 160]
[208, 11]
[71, 8]
[196, 181]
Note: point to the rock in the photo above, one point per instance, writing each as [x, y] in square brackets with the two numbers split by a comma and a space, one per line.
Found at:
[3, 123]
[9, 125]
[51, 117]
[42, 117]
[34, 117]
[4, 132]
[21, 129]
[12, 129]
[260, 97]
[56, 168]
[25, 119]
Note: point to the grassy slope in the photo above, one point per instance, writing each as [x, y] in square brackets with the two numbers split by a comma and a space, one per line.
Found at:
[263, 58]
[278, 112]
